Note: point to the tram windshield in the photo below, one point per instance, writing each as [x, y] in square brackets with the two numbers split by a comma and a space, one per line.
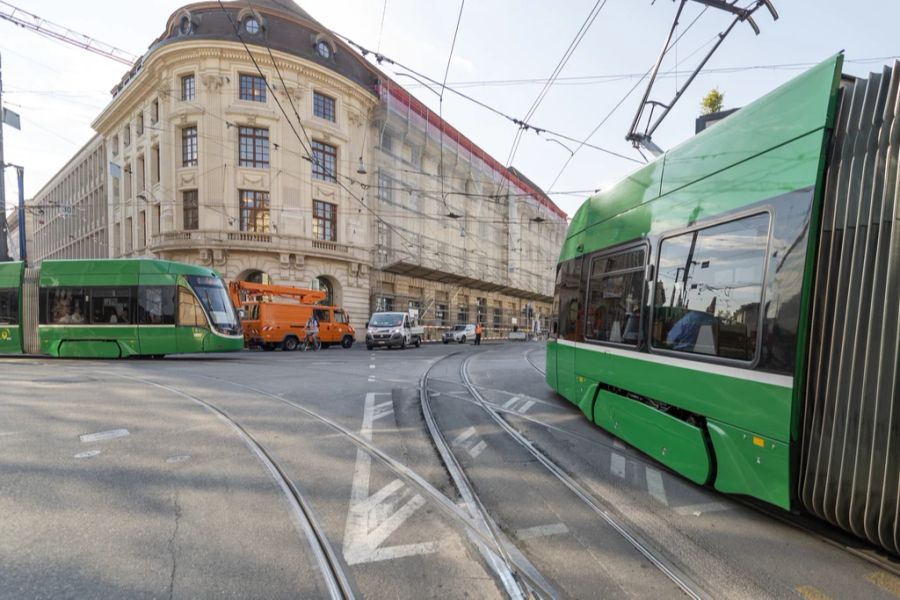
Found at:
[214, 297]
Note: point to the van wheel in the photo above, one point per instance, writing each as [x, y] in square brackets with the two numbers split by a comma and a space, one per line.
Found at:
[446, 341]
[347, 341]
[290, 344]
[418, 342]
[403, 343]
[462, 340]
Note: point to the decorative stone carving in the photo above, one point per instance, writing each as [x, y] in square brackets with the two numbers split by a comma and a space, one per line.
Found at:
[205, 256]
[253, 180]
[355, 118]
[213, 81]
[187, 179]
[324, 191]
[299, 261]
[220, 256]
[285, 259]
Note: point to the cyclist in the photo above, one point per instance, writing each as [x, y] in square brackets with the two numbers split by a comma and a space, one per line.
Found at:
[312, 332]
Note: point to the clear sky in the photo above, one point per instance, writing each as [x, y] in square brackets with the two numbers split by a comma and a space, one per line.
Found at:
[59, 89]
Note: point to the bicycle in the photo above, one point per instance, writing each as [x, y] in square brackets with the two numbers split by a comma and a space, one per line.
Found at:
[316, 343]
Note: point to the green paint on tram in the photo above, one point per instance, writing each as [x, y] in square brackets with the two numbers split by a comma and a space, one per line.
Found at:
[115, 309]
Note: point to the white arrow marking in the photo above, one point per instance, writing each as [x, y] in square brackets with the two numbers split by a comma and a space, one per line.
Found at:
[370, 520]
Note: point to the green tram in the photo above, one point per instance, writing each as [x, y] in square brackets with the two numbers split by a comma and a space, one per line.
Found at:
[115, 309]
[731, 309]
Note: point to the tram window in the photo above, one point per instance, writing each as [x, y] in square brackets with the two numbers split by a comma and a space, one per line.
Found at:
[614, 298]
[156, 305]
[9, 307]
[568, 289]
[709, 289]
[111, 306]
[67, 306]
[190, 313]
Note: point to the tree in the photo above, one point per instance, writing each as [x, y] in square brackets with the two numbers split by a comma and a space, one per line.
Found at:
[712, 102]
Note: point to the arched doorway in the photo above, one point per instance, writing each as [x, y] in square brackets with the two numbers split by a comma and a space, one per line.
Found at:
[255, 276]
[331, 288]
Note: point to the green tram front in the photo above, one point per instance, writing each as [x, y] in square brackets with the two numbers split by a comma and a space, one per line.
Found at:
[115, 309]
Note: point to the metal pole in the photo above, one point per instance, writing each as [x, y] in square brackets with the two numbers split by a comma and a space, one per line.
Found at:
[4, 249]
[20, 173]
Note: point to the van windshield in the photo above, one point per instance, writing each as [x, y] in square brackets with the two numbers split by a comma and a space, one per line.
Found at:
[386, 320]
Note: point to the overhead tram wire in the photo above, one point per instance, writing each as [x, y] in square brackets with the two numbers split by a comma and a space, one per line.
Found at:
[462, 5]
[584, 143]
[515, 121]
[579, 35]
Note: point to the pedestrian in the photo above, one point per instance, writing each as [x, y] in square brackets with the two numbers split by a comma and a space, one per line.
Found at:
[478, 333]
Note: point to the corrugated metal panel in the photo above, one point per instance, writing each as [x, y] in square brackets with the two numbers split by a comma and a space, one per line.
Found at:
[850, 459]
[31, 311]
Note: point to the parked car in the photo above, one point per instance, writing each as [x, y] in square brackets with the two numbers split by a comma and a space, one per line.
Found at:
[393, 330]
[459, 334]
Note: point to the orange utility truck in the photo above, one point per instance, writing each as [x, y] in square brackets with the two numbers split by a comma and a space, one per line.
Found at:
[275, 316]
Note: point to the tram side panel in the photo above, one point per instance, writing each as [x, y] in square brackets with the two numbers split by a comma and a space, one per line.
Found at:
[10, 307]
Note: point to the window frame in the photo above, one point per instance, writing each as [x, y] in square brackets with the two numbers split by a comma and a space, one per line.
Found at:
[193, 209]
[764, 284]
[255, 160]
[256, 86]
[606, 253]
[12, 303]
[316, 219]
[322, 174]
[190, 146]
[183, 80]
[253, 212]
[326, 99]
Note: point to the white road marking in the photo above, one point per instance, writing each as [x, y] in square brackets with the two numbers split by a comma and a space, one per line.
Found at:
[179, 459]
[617, 465]
[384, 409]
[698, 509]
[524, 408]
[531, 533]
[511, 401]
[371, 366]
[88, 453]
[6, 433]
[655, 486]
[370, 520]
[477, 449]
[103, 435]
[371, 379]
[463, 436]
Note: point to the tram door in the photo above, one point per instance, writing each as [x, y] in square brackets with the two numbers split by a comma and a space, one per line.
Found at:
[193, 326]
[31, 343]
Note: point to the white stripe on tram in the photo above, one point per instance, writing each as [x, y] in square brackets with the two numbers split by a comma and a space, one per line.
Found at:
[785, 381]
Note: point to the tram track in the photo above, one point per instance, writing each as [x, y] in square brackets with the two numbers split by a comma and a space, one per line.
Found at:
[330, 565]
[516, 561]
[504, 570]
[534, 365]
[637, 540]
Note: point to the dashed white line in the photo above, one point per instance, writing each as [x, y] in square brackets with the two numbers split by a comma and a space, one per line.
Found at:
[103, 435]
[617, 465]
[463, 436]
[511, 401]
[526, 406]
[477, 449]
[530, 533]
[655, 486]
[698, 509]
[88, 453]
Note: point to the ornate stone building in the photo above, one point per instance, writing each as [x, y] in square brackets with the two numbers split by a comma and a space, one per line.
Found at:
[321, 171]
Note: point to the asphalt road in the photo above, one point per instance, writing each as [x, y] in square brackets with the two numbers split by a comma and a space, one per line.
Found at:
[271, 475]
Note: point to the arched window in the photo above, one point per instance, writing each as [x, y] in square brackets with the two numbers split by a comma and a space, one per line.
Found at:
[255, 276]
[325, 286]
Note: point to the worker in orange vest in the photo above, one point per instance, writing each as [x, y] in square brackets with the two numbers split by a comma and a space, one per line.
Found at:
[478, 334]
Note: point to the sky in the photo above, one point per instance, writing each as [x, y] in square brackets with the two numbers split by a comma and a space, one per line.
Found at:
[504, 53]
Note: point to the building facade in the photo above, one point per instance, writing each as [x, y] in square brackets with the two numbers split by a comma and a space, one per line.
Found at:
[69, 214]
[253, 141]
